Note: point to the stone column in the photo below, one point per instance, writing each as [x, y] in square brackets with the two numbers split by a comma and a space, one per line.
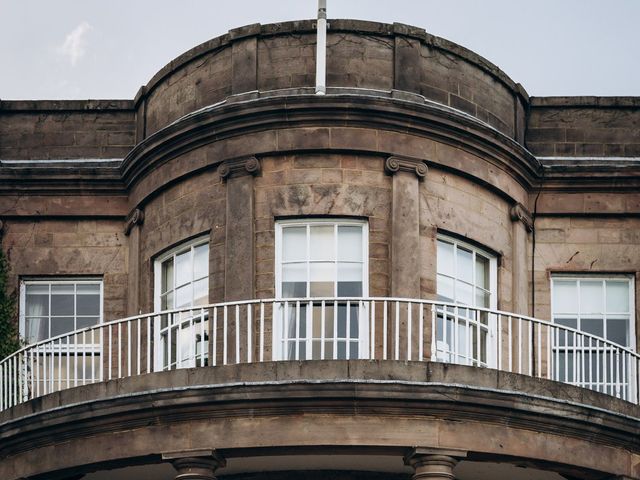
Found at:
[195, 464]
[430, 463]
[239, 256]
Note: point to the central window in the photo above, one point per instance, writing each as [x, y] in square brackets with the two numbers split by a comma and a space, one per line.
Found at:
[321, 265]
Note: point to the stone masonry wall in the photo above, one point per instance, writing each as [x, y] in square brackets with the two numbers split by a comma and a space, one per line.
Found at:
[66, 129]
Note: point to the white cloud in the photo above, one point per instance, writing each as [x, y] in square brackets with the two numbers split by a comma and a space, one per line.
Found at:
[74, 45]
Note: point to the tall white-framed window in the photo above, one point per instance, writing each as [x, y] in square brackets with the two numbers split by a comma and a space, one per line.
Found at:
[467, 277]
[603, 307]
[182, 283]
[315, 259]
[54, 308]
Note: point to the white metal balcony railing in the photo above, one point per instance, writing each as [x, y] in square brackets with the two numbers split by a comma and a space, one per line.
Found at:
[322, 329]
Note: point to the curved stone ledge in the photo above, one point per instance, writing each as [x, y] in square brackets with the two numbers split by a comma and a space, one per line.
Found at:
[266, 123]
[337, 404]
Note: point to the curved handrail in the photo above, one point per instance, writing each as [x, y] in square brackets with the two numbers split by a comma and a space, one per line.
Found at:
[320, 328]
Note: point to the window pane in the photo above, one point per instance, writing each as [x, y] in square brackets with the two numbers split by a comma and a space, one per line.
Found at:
[167, 276]
[445, 258]
[464, 293]
[201, 292]
[62, 304]
[465, 265]
[88, 288]
[349, 289]
[88, 304]
[482, 298]
[350, 243]
[184, 271]
[83, 322]
[294, 272]
[166, 301]
[36, 329]
[567, 322]
[565, 296]
[322, 280]
[294, 246]
[322, 243]
[201, 261]
[618, 331]
[294, 289]
[60, 325]
[63, 288]
[37, 304]
[482, 272]
[445, 289]
[617, 296]
[594, 326]
[350, 272]
[591, 296]
[183, 296]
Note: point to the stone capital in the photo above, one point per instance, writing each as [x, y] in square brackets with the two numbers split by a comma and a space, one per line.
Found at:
[195, 464]
[433, 463]
[136, 217]
[395, 164]
[519, 213]
[239, 166]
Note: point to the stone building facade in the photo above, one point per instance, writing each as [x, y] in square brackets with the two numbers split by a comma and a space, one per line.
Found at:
[422, 158]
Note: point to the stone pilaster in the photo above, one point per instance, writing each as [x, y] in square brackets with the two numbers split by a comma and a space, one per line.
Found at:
[195, 464]
[134, 219]
[405, 250]
[430, 463]
[239, 253]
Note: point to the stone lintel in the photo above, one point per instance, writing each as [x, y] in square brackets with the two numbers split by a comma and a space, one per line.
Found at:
[136, 217]
[239, 166]
[395, 164]
[520, 213]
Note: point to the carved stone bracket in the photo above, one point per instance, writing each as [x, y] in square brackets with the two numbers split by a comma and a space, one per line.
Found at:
[404, 164]
[433, 463]
[239, 166]
[195, 464]
[520, 214]
[136, 217]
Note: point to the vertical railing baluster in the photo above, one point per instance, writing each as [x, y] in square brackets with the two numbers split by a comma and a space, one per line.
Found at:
[249, 331]
[409, 330]
[224, 335]
[396, 336]
[262, 329]
[203, 347]
[214, 360]
[434, 333]
[372, 330]
[384, 330]
[237, 333]
[421, 333]
[139, 347]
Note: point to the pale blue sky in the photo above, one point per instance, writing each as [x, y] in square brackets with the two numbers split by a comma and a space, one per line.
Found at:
[108, 49]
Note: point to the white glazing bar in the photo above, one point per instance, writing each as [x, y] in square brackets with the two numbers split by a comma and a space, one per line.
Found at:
[384, 330]
[262, 329]
[409, 330]
[421, 333]
[237, 333]
[249, 331]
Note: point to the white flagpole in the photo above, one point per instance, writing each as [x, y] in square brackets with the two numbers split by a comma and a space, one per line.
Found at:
[321, 49]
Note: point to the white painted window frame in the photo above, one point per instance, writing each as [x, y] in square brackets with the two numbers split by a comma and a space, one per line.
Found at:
[493, 286]
[188, 245]
[363, 325]
[22, 306]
